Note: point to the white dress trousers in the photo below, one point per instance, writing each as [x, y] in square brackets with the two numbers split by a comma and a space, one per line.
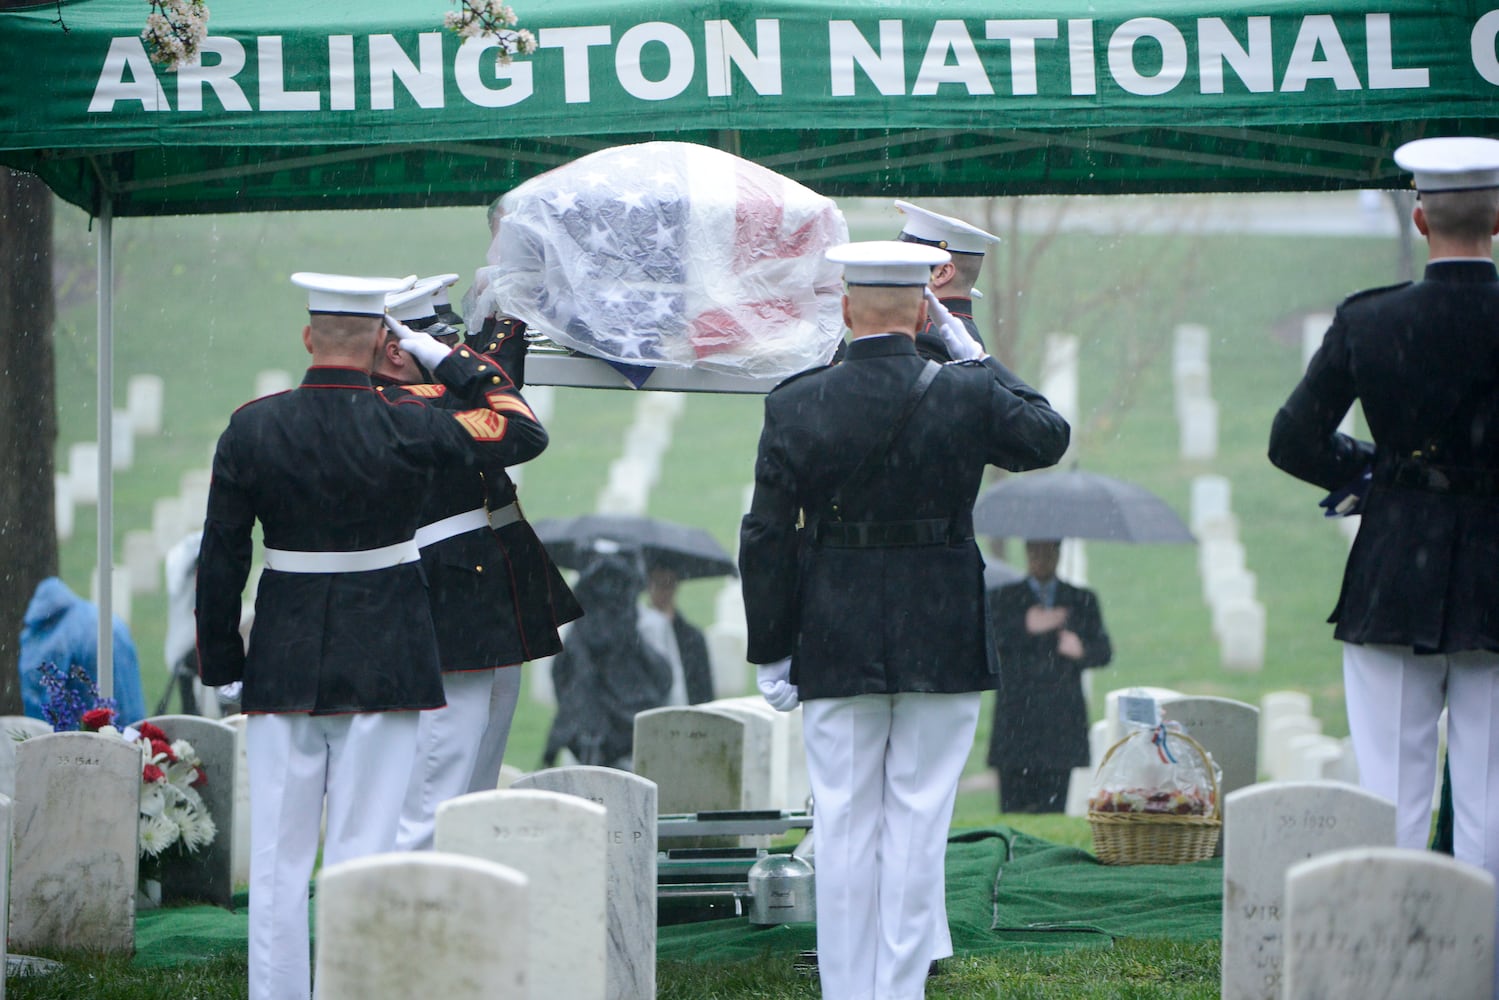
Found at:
[1394, 699]
[884, 772]
[448, 741]
[503, 698]
[362, 763]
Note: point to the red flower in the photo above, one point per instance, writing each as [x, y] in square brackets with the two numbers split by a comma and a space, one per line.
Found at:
[160, 746]
[96, 719]
[151, 773]
[200, 778]
[150, 732]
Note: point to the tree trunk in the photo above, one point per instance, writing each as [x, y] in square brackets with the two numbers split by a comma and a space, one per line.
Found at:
[28, 419]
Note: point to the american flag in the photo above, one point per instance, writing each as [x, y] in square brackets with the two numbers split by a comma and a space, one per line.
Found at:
[673, 254]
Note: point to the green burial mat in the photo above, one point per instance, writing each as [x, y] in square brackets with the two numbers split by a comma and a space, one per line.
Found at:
[1005, 891]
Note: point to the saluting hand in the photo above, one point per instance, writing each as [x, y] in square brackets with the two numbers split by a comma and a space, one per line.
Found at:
[420, 344]
[955, 336]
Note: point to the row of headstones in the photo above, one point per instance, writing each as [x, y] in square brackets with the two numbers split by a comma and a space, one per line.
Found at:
[80, 484]
[1313, 329]
[1059, 384]
[574, 915]
[633, 474]
[1228, 588]
[1317, 902]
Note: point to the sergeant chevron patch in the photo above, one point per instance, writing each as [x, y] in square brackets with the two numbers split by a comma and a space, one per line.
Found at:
[505, 403]
[482, 425]
[427, 391]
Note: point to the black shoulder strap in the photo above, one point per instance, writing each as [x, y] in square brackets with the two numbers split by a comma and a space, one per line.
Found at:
[871, 461]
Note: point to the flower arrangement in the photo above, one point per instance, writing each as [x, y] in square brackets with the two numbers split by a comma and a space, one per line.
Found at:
[174, 30]
[491, 19]
[68, 697]
[173, 813]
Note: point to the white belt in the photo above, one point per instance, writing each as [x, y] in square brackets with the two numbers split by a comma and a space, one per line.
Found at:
[508, 514]
[458, 524]
[292, 561]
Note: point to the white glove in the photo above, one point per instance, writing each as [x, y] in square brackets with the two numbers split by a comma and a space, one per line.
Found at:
[955, 336]
[418, 343]
[774, 682]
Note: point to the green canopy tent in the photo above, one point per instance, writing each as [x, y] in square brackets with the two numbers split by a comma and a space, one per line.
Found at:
[331, 105]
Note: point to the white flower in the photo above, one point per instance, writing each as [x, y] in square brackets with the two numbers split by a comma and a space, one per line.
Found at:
[153, 799]
[156, 835]
[198, 830]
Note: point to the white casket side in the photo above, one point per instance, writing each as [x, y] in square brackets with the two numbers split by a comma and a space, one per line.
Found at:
[673, 255]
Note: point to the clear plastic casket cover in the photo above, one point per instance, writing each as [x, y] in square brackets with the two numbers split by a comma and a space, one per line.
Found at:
[671, 254]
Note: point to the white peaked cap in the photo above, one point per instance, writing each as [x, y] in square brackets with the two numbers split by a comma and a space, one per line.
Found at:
[440, 293]
[414, 302]
[346, 294]
[1458, 163]
[887, 262]
[955, 235]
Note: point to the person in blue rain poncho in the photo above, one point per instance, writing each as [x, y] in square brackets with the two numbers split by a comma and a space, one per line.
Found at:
[62, 628]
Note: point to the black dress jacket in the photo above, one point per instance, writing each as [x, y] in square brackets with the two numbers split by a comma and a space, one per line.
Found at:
[884, 618]
[1040, 718]
[1423, 360]
[333, 467]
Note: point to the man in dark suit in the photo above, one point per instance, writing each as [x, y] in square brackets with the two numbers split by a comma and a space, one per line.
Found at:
[342, 656]
[871, 613]
[1419, 608]
[1047, 632]
[487, 621]
[681, 642]
[951, 283]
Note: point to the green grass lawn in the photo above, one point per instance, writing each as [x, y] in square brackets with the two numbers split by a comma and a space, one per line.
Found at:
[205, 302]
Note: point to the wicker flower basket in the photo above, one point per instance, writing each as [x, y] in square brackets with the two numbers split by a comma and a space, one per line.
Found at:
[1138, 838]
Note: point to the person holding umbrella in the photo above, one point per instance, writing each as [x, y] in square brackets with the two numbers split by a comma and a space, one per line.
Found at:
[871, 613]
[1047, 632]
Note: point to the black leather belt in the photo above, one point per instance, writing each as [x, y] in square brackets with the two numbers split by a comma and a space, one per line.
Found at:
[1451, 480]
[888, 534]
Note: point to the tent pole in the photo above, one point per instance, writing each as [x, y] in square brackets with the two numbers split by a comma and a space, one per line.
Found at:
[106, 446]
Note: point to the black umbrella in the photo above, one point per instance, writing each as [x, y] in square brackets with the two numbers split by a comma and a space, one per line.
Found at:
[1074, 504]
[690, 552]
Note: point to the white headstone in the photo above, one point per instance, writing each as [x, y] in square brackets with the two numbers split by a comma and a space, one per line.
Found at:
[1382, 923]
[539, 676]
[509, 775]
[271, 381]
[558, 843]
[727, 647]
[1199, 429]
[1210, 498]
[14, 729]
[167, 525]
[423, 924]
[1059, 374]
[194, 505]
[1313, 329]
[1279, 705]
[695, 756]
[119, 595]
[239, 837]
[764, 775]
[1228, 730]
[83, 472]
[1274, 752]
[1266, 829]
[1313, 758]
[1226, 590]
[630, 804]
[1220, 528]
[142, 562]
[143, 395]
[121, 441]
[73, 849]
[206, 875]
[1192, 381]
[1217, 557]
[1241, 640]
[627, 491]
[728, 605]
[1189, 342]
[62, 506]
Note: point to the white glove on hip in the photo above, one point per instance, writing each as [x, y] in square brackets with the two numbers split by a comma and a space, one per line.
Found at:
[955, 336]
[774, 682]
[418, 343]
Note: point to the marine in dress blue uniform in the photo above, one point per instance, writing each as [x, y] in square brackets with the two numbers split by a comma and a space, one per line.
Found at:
[484, 628]
[1419, 609]
[868, 606]
[342, 655]
[951, 283]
